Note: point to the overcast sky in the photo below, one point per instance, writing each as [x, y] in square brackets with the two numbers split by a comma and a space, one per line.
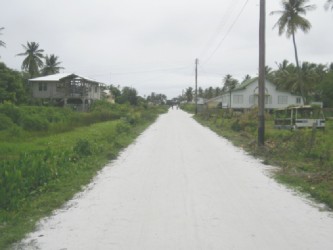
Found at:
[151, 45]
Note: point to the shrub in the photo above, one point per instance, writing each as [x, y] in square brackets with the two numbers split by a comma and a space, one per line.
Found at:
[34, 123]
[11, 111]
[82, 147]
[235, 126]
[5, 122]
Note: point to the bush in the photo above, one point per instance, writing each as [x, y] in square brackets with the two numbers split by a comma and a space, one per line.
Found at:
[5, 122]
[11, 111]
[235, 126]
[34, 123]
[82, 147]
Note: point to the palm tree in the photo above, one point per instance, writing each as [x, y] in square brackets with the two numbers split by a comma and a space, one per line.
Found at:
[229, 85]
[189, 94]
[52, 66]
[290, 21]
[2, 43]
[246, 77]
[33, 61]
[329, 5]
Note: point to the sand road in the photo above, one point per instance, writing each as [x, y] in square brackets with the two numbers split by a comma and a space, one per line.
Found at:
[180, 186]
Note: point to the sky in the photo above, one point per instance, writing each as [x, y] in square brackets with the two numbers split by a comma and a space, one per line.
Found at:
[151, 45]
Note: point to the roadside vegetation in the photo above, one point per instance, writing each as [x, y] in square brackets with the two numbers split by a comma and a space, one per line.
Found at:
[47, 154]
[303, 157]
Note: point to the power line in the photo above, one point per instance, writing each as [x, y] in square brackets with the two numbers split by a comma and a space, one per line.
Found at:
[143, 71]
[221, 25]
[229, 30]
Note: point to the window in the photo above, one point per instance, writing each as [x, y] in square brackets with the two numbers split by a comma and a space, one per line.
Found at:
[282, 99]
[298, 100]
[42, 86]
[251, 99]
[268, 99]
[238, 99]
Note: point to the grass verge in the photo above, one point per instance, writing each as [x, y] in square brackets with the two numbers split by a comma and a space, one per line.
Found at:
[303, 157]
[64, 163]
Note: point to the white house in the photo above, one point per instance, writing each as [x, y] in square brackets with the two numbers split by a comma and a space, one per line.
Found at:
[245, 96]
[66, 89]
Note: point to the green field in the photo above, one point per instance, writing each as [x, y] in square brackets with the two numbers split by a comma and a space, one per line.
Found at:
[40, 170]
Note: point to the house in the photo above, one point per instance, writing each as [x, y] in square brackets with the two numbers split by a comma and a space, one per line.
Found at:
[66, 89]
[245, 96]
[108, 96]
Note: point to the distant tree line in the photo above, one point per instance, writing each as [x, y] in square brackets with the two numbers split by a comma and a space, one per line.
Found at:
[317, 82]
[314, 82]
[311, 81]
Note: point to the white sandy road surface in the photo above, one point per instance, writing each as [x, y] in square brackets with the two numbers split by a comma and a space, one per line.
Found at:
[180, 186]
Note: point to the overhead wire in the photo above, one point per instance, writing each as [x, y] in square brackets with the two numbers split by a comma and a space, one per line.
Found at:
[222, 24]
[143, 71]
[227, 33]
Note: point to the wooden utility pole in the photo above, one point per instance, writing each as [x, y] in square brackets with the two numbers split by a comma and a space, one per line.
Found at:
[261, 99]
[196, 85]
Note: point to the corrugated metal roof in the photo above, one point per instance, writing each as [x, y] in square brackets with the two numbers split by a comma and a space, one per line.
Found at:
[50, 78]
[59, 76]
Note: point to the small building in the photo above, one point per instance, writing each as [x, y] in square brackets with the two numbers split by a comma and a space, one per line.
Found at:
[245, 96]
[108, 96]
[67, 89]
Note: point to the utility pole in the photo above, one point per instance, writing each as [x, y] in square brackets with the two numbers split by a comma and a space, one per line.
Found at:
[196, 85]
[261, 81]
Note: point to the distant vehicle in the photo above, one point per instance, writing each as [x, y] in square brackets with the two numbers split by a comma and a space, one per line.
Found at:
[299, 117]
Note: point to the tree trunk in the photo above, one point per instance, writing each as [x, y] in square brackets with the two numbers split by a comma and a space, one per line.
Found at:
[300, 78]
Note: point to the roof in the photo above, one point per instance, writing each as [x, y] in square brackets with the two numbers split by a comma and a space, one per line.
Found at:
[246, 83]
[51, 78]
[59, 77]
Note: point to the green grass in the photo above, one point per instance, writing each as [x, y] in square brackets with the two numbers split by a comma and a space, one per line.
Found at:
[63, 163]
[304, 157]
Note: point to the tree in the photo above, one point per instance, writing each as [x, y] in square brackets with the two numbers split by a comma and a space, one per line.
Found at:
[157, 99]
[128, 95]
[217, 91]
[2, 43]
[268, 72]
[33, 61]
[11, 85]
[200, 92]
[246, 77]
[286, 77]
[209, 92]
[115, 90]
[52, 66]
[229, 85]
[290, 21]
[326, 90]
[189, 94]
[329, 5]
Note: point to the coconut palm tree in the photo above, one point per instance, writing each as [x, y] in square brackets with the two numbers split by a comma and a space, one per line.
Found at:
[33, 61]
[229, 85]
[2, 43]
[291, 19]
[329, 5]
[286, 77]
[246, 77]
[52, 66]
